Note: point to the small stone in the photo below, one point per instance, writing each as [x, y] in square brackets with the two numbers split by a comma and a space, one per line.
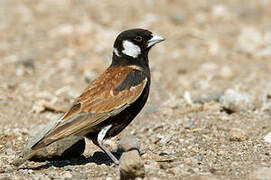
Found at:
[220, 11]
[267, 138]
[226, 72]
[131, 165]
[66, 175]
[187, 98]
[236, 102]
[208, 67]
[209, 97]
[28, 63]
[188, 124]
[38, 107]
[129, 143]
[63, 30]
[250, 40]
[177, 18]
[221, 153]
[266, 52]
[237, 134]
[263, 173]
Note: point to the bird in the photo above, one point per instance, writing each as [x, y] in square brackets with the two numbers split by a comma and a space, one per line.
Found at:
[110, 102]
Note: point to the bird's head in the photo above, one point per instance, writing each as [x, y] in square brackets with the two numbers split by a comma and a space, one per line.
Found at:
[135, 43]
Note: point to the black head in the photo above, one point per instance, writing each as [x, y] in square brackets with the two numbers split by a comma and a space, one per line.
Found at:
[135, 43]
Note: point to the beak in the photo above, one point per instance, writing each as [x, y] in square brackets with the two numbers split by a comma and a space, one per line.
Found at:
[155, 39]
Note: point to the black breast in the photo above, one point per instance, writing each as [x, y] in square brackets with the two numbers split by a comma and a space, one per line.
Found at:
[123, 119]
[134, 78]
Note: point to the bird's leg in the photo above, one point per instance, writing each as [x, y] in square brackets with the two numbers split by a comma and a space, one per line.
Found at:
[100, 138]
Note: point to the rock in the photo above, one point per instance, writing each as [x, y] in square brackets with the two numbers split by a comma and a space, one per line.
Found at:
[263, 173]
[66, 148]
[66, 64]
[129, 143]
[188, 124]
[131, 165]
[177, 18]
[250, 40]
[38, 107]
[66, 175]
[187, 98]
[267, 138]
[209, 97]
[226, 72]
[266, 52]
[209, 67]
[220, 11]
[237, 134]
[28, 63]
[235, 102]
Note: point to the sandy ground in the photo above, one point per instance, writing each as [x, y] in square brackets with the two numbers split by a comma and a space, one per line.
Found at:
[50, 50]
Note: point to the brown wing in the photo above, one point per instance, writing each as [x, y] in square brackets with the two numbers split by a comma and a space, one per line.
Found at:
[99, 101]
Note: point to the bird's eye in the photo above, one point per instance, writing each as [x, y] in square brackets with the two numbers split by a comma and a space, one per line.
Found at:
[138, 38]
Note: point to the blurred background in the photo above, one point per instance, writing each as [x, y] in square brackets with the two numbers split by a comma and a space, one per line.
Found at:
[50, 50]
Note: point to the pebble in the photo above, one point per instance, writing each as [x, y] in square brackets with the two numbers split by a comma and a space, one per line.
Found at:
[237, 134]
[209, 67]
[235, 101]
[188, 124]
[209, 97]
[266, 52]
[28, 63]
[250, 40]
[67, 175]
[131, 165]
[262, 173]
[187, 98]
[226, 72]
[220, 11]
[221, 153]
[267, 138]
[128, 143]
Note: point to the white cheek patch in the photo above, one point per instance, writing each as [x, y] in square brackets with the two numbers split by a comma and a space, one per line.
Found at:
[130, 49]
[116, 52]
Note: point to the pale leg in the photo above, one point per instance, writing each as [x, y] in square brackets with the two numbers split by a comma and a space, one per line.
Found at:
[100, 138]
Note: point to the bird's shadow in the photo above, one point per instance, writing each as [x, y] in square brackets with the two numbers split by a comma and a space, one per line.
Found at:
[97, 158]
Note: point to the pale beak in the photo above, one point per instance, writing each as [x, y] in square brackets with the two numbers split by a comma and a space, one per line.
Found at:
[155, 39]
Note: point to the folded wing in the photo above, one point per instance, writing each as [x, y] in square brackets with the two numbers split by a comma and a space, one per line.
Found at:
[101, 100]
